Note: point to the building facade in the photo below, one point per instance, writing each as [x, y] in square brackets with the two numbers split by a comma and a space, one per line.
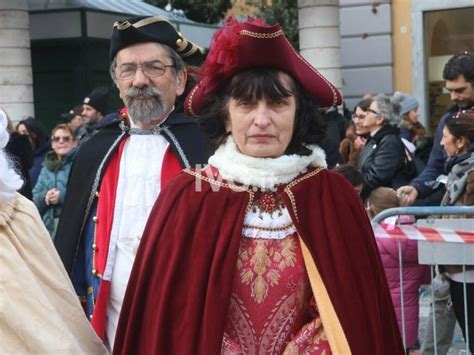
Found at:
[55, 52]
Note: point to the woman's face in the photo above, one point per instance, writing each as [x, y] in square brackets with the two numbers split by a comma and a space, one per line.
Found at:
[451, 144]
[373, 119]
[263, 129]
[21, 128]
[75, 122]
[62, 142]
[358, 119]
[413, 115]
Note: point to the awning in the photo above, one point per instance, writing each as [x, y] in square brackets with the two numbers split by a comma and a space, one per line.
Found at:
[129, 7]
[61, 19]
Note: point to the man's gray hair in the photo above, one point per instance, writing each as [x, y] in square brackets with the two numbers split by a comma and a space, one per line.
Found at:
[389, 109]
[177, 62]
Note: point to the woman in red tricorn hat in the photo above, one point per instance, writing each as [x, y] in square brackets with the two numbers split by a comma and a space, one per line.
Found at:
[263, 251]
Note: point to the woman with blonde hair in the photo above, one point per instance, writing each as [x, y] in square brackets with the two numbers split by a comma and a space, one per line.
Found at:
[39, 310]
[409, 113]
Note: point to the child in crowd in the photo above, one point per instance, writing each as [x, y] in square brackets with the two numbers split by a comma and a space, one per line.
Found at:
[413, 274]
[351, 173]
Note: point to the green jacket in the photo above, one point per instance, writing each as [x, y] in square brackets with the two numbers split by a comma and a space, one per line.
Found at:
[54, 173]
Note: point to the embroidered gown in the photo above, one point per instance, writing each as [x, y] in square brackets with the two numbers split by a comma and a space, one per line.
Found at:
[272, 310]
[226, 268]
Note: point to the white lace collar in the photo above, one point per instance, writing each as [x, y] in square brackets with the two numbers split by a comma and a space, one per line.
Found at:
[263, 173]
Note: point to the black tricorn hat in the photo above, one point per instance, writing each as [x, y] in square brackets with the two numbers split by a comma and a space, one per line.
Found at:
[150, 29]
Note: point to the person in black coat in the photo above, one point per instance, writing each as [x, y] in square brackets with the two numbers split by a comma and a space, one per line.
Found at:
[382, 160]
[459, 75]
[20, 152]
[335, 131]
[39, 141]
[120, 170]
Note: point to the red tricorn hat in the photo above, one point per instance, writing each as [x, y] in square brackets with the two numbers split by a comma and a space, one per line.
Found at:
[243, 45]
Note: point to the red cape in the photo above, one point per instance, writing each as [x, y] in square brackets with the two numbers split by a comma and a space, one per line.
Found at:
[179, 289]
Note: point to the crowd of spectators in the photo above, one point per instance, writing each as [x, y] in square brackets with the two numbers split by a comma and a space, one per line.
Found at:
[387, 155]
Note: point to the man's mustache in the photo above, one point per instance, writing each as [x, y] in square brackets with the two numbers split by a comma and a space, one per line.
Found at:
[133, 93]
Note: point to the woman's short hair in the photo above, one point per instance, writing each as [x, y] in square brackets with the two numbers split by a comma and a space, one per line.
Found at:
[389, 109]
[262, 83]
[418, 131]
[462, 125]
[363, 104]
[64, 127]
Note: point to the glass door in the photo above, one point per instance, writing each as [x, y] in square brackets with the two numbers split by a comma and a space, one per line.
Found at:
[448, 32]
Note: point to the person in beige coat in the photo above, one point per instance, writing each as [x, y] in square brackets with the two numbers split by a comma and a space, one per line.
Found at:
[39, 310]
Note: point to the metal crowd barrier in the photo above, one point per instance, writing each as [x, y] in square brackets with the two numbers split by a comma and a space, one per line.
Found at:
[441, 241]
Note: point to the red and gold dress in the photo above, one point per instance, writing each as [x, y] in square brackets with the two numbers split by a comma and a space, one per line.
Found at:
[228, 265]
[272, 309]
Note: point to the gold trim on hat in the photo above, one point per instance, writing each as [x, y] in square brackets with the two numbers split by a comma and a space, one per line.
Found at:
[193, 50]
[190, 101]
[261, 35]
[181, 45]
[123, 25]
[280, 33]
[150, 20]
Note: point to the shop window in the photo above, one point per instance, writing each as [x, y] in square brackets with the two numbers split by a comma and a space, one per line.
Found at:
[448, 32]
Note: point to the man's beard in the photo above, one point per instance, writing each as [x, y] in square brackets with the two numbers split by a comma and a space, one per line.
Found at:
[465, 104]
[144, 105]
[94, 119]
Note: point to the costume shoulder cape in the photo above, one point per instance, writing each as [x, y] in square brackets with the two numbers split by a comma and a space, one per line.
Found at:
[180, 286]
[186, 140]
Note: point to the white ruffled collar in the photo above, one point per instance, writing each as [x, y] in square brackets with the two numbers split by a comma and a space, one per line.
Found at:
[264, 173]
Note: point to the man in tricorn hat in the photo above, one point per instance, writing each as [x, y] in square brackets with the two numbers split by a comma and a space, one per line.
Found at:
[120, 171]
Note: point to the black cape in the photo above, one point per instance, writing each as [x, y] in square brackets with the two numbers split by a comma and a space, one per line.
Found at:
[191, 148]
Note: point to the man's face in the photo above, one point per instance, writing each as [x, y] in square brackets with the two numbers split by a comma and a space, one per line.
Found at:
[148, 96]
[462, 92]
[90, 115]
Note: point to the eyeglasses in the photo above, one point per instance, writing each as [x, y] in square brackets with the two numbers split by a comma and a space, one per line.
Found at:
[150, 69]
[374, 112]
[57, 139]
[357, 117]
